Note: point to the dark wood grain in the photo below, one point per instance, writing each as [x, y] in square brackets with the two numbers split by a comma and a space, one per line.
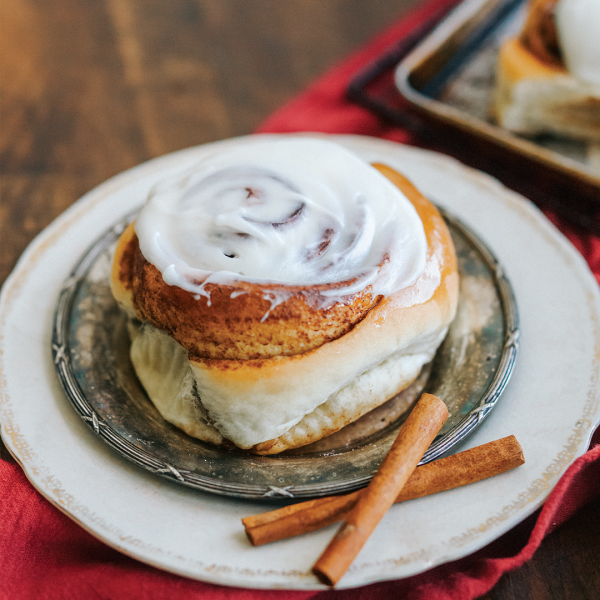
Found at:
[91, 88]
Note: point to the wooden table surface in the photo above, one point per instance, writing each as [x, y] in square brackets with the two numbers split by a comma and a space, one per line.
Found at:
[91, 88]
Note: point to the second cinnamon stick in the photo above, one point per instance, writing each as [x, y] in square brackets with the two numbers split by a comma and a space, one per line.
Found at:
[443, 474]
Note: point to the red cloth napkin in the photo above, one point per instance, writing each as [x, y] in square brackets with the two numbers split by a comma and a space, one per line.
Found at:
[45, 556]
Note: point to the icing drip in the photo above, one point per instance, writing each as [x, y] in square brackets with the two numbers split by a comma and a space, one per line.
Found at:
[293, 211]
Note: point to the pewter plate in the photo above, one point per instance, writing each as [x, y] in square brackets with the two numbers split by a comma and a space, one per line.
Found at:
[469, 372]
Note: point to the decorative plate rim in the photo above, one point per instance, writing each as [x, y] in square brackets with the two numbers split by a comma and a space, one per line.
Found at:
[484, 511]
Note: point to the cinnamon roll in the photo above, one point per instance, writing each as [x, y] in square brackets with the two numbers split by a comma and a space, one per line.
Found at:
[281, 289]
[548, 78]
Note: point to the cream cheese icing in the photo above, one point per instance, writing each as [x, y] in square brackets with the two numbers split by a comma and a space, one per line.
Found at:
[293, 210]
[578, 29]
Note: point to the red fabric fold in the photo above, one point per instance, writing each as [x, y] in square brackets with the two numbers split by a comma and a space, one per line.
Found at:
[46, 556]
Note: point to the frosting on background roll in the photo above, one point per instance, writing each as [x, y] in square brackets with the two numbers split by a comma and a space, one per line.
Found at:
[578, 29]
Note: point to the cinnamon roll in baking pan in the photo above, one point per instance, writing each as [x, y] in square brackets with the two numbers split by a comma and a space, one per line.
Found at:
[548, 78]
[281, 289]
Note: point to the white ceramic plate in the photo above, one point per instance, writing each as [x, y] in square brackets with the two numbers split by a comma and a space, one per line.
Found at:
[551, 403]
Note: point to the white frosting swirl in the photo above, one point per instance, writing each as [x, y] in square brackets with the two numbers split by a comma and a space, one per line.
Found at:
[291, 210]
[578, 28]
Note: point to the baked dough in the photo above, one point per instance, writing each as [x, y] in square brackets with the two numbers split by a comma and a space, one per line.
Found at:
[270, 404]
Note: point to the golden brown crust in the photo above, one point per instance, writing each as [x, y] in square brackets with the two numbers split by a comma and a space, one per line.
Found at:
[122, 269]
[232, 324]
[539, 32]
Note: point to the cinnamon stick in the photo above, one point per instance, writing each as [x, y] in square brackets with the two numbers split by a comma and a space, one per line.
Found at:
[444, 474]
[415, 436]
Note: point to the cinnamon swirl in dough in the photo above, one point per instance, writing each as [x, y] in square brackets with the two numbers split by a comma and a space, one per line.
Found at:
[548, 79]
[282, 289]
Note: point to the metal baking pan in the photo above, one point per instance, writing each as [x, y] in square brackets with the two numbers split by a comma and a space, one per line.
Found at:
[450, 76]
